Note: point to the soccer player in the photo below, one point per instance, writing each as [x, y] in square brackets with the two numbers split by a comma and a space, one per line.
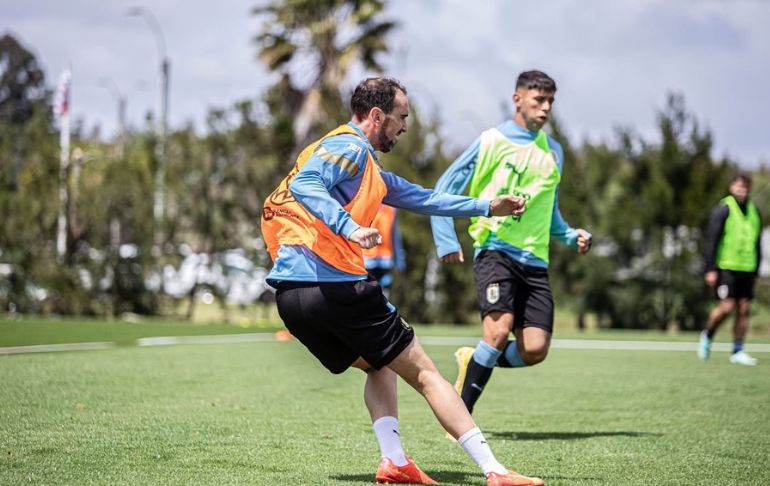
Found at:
[732, 256]
[315, 225]
[510, 265]
[381, 260]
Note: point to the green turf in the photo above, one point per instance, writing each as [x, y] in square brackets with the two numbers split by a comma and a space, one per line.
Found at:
[268, 414]
[31, 331]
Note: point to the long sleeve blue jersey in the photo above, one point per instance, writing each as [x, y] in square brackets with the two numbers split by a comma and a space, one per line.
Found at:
[329, 180]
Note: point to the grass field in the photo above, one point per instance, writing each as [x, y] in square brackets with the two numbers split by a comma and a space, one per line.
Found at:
[268, 414]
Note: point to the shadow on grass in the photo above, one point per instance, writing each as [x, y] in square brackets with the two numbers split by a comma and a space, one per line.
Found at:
[455, 477]
[512, 435]
[571, 479]
[443, 477]
[452, 477]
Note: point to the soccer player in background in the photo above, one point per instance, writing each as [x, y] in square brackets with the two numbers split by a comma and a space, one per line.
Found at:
[315, 224]
[510, 264]
[732, 256]
[383, 259]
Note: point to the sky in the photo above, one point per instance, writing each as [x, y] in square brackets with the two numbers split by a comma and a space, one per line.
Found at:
[614, 62]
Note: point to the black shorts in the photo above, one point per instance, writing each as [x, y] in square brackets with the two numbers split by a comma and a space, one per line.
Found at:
[735, 285]
[383, 276]
[505, 285]
[341, 321]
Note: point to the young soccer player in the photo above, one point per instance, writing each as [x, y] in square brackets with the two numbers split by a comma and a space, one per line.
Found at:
[511, 259]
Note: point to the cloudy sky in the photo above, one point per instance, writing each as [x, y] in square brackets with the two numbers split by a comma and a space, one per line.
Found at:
[614, 61]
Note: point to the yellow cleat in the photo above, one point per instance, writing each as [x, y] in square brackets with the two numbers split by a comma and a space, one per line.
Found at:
[462, 357]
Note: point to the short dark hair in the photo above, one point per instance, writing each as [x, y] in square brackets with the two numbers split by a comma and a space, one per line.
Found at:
[375, 92]
[743, 177]
[536, 80]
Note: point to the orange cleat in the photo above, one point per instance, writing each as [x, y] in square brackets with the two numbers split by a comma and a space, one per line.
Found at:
[282, 335]
[512, 478]
[389, 473]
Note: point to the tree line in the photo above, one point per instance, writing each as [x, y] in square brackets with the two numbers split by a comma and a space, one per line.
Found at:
[646, 201]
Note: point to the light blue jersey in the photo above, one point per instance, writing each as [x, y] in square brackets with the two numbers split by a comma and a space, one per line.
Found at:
[329, 180]
[455, 181]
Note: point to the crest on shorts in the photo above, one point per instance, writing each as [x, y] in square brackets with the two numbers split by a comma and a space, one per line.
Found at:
[493, 293]
[723, 291]
[405, 324]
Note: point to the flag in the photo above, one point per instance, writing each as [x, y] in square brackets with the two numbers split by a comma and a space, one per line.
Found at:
[62, 97]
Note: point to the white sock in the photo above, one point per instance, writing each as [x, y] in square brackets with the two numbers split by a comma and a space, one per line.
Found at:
[476, 446]
[389, 438]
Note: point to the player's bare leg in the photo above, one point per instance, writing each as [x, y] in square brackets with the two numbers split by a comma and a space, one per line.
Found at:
[475, 365]
[418, 370]
[716, 317]
[741, 326]
[719, 313]
[741, 320]
[529, 348]
[532, 344]
[379, 391]
[381, 399]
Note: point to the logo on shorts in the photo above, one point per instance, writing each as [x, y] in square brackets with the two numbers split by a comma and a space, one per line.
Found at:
[723, 291]
[493, 293]
[405, 324]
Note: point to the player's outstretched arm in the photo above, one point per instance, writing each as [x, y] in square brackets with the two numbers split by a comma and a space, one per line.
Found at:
[499, 206]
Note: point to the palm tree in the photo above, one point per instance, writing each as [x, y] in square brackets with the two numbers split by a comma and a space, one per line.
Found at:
[315, 43]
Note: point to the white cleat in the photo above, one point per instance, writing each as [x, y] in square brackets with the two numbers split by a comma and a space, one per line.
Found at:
[704, 346]
[743, 358]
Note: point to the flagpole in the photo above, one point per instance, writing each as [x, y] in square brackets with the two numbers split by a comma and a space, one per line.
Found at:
[159, 198]
[63, 111]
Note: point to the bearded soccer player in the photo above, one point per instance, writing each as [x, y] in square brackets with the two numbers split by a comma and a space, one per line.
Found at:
[510, 264]
[316, 224]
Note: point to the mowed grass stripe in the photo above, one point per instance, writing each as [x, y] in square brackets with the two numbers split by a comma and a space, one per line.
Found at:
[49, 348]
[589, 344]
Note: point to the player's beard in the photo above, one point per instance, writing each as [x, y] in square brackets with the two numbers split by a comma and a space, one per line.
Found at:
[385, 144]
